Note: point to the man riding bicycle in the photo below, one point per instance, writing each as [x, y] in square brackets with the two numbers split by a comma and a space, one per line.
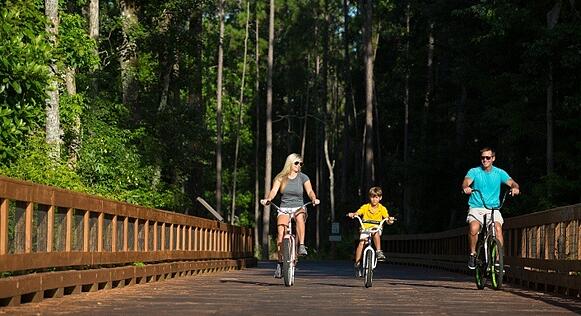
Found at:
[487, 179]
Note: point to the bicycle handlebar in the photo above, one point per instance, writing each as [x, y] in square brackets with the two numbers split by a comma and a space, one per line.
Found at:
[378, 224]
[484, 203]
[267, 202]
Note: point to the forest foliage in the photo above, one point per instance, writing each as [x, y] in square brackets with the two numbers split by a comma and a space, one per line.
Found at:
[450, 77]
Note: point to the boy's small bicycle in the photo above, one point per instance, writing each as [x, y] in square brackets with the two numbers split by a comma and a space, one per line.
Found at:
[289, 246]
[489, 253]
[369, 257]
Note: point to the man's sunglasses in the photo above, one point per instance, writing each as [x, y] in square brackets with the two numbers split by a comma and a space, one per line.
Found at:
[485, 157]
[298, 163]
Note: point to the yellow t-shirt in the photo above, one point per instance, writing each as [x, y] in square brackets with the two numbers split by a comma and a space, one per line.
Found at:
[367, 213]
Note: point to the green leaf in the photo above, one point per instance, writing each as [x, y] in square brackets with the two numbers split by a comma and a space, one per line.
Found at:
[16, 87]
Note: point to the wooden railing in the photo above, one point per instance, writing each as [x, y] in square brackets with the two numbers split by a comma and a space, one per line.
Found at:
[63, 235]
[542, 250]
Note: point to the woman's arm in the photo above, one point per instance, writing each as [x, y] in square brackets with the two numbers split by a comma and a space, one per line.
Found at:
[310, 193]
[274, 190]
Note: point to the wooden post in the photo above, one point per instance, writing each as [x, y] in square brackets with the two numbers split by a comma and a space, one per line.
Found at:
[86, 231]
[155, 240]
[28, 227]
[50, 228]
[136, 235]
[190, 238]
[114, 234]
[125, 233]
[178, 235]
[69, 230]
[162, 236]
[100, 223]
[171, 237]
[3, 226]
[146, 236]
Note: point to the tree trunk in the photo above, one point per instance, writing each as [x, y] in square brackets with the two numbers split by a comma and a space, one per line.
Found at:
[94, 35]
[429, 85]
[128, 57]
[257, 137]
[94, 19]
[76, 139]
[406, 129]
[166, 63]
[268, 162]
[219, 109]
[349, 104]
[195, 90]
[369, 161]
[240, 122]
[552, 19]
[53, 129]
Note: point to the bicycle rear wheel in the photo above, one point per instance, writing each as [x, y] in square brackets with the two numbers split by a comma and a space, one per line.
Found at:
[496, 264]
[368, 269]
[288, 270]
[480, 271]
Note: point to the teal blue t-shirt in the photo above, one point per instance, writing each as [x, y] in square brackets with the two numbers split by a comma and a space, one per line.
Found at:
[488, 183]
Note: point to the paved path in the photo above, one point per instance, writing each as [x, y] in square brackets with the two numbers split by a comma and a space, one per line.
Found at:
[322, 288]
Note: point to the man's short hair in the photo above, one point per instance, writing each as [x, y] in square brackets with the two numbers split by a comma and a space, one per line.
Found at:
[375, 191]
[487, 149]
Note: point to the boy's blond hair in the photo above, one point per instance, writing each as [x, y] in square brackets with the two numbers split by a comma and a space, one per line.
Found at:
[375, 191]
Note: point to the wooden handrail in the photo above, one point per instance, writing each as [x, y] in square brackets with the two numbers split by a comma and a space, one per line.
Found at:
[542, 249]
[80, 229]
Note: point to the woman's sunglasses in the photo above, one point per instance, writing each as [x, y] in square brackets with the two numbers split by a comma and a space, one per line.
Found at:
[298, 163]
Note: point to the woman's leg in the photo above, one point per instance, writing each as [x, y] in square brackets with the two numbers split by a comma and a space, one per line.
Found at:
[300, 219]
[281, 224]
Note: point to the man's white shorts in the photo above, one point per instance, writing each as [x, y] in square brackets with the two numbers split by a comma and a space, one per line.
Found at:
[477, 214]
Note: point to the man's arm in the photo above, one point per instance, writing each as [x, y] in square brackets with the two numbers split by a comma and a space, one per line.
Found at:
[514, 187]
[466, 185]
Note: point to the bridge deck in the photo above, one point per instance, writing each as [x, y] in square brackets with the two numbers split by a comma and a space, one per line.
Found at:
[322, 288]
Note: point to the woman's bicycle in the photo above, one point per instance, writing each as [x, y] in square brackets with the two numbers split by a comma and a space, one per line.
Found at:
[289, 245]
[369, 257]
[489, 253]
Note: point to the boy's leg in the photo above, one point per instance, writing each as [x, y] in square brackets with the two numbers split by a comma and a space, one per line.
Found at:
[377, 242]
[358, 251]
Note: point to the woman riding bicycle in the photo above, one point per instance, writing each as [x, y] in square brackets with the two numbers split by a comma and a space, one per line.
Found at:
[292, 184]
[486, 179]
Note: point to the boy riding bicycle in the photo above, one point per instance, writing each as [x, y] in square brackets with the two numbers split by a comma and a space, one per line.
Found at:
[372, 211]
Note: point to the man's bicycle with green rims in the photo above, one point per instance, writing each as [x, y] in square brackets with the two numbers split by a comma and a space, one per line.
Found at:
[489, 252]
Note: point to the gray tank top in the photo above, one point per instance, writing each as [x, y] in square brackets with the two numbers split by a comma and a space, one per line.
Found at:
[293, 191]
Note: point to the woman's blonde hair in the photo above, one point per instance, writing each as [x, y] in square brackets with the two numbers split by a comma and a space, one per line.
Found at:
[282, 176]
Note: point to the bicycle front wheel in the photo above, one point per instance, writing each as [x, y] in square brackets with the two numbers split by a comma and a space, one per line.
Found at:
[480, 271]
[496, 264]
[288, 270]
[369, 269]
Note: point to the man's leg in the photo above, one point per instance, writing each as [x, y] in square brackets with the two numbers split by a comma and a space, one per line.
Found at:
[472, 239]
[499, 236]
[473, 235]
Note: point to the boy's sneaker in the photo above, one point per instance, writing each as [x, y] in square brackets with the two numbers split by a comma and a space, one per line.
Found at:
[472, 262]
[278, 270]
[302, 250]
[357, 267]
[380, 255]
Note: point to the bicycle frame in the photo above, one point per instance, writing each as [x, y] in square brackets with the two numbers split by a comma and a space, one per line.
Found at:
[369, 257]
[289, 246]
[487, 239]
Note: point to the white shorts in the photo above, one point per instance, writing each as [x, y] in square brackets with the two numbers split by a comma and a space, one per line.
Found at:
[365, 235]
[477, 214]
[288, 210]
